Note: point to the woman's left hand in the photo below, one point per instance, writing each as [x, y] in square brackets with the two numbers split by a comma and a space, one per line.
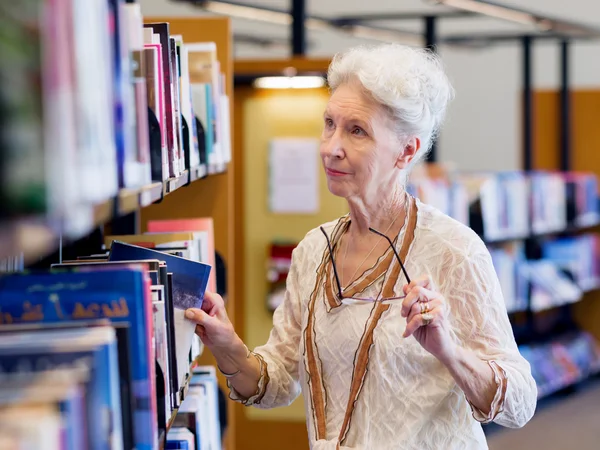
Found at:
[423, 302]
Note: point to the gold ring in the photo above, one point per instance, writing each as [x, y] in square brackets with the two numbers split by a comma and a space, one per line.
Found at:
[424, 307]
[427, 318]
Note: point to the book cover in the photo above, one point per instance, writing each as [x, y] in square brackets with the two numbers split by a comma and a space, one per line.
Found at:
[117, 295]
[190, 279]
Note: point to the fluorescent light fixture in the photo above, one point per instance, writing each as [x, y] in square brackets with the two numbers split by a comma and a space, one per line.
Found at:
[498, 11]
[297, 82]
[248, 12]
[364, 32]
[260, 14]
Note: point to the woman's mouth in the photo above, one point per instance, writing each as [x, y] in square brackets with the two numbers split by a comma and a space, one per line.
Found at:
[334, 173]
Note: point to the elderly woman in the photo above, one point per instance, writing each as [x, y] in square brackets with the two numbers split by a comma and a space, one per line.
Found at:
[385, 360]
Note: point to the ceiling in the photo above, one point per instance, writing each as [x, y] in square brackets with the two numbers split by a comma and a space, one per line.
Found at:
[265, 40]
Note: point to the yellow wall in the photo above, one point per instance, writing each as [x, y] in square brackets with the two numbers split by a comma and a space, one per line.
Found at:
[268, 115]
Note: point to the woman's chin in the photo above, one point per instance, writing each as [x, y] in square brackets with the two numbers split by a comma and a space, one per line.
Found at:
[337, 189]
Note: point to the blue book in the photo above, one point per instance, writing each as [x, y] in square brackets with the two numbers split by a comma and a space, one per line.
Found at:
[121, 296]
[190, 279]
[24, 354]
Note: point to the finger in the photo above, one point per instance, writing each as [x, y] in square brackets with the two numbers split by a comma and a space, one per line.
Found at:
[416, 294]
[200, 317]
[422, 281]
[200, 331]
[213, 303]
[421, 307]
[418, 321]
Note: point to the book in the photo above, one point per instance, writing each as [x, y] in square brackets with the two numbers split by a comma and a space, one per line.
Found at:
[96, 147]
[133, 24]
[193, 155]
[155, 84]
[161, 354]
[180, 438]
[176, 68]
[162, 30]
[190, 279]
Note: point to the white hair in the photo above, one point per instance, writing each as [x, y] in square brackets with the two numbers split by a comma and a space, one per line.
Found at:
[410, 82]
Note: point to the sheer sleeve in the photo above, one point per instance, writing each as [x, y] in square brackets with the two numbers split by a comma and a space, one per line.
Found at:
[478, 309]
[279, 357]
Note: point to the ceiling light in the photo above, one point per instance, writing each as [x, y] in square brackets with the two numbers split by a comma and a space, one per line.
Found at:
[248, 12]
[375, 34]
[299, 82]
[493, 10]
[256, 13]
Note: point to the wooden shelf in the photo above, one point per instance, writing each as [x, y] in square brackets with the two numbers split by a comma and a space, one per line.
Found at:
[36, 237]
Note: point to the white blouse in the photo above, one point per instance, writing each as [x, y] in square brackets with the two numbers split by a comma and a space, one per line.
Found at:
[364, 385]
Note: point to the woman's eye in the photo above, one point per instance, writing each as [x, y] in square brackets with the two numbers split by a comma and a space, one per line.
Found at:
[358, 131]
[329, 123]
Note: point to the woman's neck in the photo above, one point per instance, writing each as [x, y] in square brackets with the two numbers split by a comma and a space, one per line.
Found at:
[377, 213]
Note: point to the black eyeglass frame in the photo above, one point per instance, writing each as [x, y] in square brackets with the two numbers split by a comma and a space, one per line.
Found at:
[337, 278]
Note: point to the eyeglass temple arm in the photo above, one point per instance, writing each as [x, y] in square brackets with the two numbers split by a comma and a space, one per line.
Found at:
[337, 278]
[394, 250]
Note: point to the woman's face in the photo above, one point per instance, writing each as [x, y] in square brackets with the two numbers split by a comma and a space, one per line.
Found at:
[360, 150]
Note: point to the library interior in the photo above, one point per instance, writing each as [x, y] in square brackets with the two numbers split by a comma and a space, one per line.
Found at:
[195, 179]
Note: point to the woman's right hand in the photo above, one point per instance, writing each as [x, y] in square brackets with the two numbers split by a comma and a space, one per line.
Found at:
[232, 356]
[212, 323]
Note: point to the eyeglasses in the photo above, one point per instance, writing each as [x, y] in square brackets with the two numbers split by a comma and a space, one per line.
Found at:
[363, 300]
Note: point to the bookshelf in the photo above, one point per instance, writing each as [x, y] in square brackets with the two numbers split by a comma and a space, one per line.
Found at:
[135, 327]
[215, 195]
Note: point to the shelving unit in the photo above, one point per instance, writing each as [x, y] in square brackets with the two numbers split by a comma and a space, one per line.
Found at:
[199, 192]
[37, 237]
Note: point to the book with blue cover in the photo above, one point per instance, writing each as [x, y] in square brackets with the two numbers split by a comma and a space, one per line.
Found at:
[25, 354]
[121, 296]
[190, 279]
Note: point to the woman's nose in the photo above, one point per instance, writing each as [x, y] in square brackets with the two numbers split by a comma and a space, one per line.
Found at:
[333, 146]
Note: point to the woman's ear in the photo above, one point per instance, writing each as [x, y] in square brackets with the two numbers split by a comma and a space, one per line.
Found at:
[410, 150]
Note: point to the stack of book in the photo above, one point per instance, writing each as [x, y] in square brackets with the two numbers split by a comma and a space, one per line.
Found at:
[509, 262]
[563, 362]
[93, 101]
[99, 348]
[439, 187]
[197, 424]
[578, 257]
